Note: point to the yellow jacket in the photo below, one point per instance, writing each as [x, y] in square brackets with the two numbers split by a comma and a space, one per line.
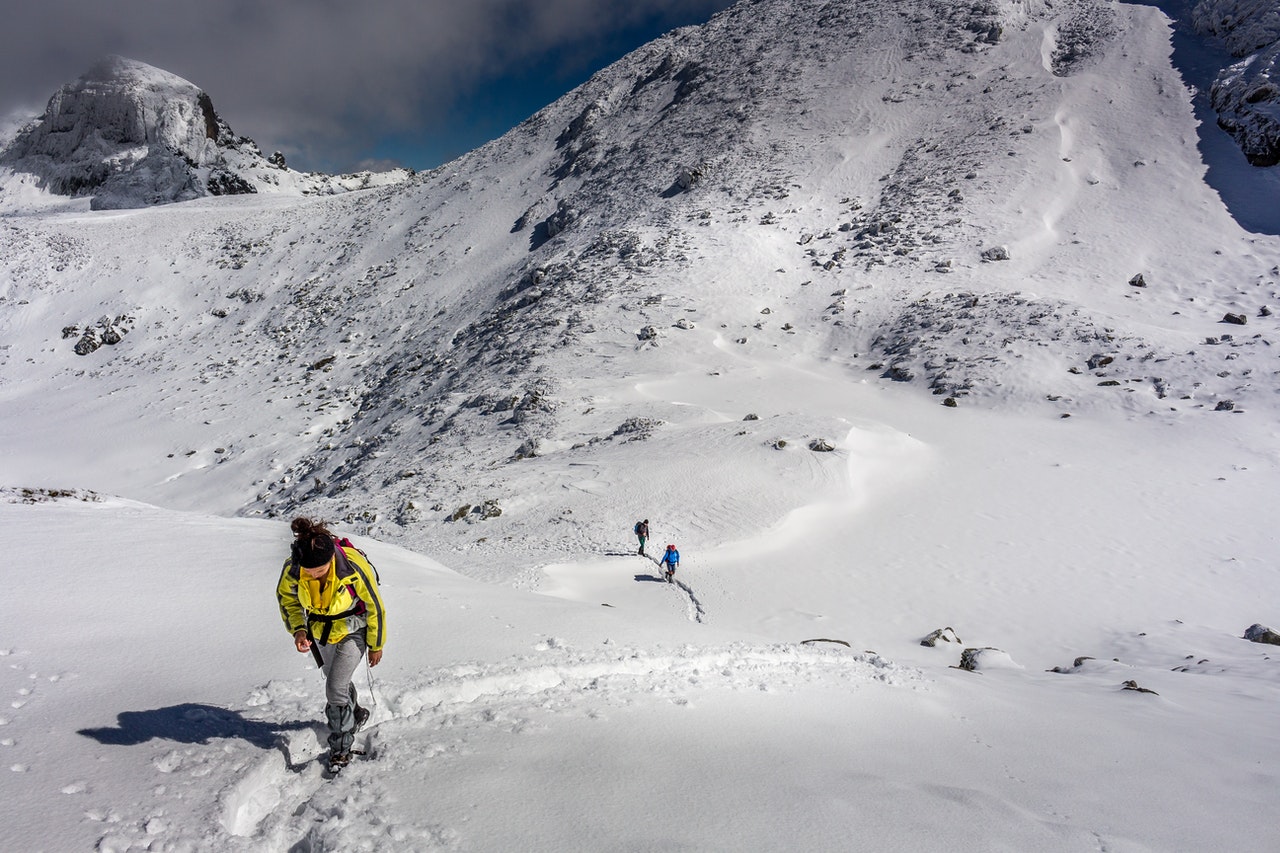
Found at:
[354, 604]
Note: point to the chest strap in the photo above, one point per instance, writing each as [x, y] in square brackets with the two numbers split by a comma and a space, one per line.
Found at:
[327, 621]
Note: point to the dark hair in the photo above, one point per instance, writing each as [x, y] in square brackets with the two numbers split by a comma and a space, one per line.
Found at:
[312, 542]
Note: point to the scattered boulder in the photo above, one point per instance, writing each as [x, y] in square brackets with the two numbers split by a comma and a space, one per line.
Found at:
[974, 660]
[1078, 662]
[409, 513]
[108, 330]
[684, 323]
[563, 219]
[460, 513]
[1235, 319]
[1225, 406]
[825, 640]
[1138, 281]
[1262, 634]
[1099, 360]
[1133, 685]
[996, 253]
[529, 448]
[751, 416]
[87, 343]
[687, 179]
[821, 445]
[637, 429]
[945, 635]
[950, 403]
[648, 333]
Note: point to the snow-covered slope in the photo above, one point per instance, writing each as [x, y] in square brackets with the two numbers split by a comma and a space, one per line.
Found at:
[128, 135]
[968, 248]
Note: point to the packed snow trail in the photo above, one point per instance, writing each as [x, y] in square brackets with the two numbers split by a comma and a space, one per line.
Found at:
[279, 799]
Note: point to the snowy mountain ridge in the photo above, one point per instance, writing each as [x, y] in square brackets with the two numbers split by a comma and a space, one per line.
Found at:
[129, 135]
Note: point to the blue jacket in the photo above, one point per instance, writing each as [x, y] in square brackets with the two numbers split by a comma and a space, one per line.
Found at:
[672, 557]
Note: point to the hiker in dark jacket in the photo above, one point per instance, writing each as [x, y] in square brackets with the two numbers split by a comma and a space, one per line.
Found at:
[642, 533]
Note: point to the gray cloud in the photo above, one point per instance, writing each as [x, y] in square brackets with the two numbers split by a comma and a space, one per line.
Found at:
[323, 79]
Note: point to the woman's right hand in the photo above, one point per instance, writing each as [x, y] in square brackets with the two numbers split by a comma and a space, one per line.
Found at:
[301, 642]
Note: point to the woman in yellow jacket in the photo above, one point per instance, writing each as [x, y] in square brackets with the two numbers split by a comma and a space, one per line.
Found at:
[329, 601]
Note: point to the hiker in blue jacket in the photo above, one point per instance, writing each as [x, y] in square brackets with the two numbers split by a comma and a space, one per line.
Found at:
[670, 562]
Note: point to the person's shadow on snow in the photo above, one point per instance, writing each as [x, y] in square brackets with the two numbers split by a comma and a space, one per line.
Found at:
[191, 723]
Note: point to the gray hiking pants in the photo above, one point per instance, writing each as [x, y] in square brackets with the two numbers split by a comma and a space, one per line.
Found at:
[340, 662]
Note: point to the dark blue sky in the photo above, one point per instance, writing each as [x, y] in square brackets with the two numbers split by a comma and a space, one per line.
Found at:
[337, 85]
[499, 103]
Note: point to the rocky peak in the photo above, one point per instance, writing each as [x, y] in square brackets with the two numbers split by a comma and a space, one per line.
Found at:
[128, 134]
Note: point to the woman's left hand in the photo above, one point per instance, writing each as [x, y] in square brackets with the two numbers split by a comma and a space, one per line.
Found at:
[375, 657]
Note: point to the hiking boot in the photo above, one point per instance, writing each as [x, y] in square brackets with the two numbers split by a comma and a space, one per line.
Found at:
[338, 760]
[362, 717]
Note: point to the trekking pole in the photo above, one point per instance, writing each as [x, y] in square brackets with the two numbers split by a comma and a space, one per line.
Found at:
[368, 672]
